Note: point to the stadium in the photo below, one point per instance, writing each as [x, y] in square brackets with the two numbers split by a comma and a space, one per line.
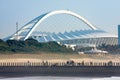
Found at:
[87, 37]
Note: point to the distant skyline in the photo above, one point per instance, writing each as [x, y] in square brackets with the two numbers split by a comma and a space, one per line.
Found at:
[104, 14]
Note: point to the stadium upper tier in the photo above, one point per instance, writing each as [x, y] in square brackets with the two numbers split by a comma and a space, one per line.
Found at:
[78, 37]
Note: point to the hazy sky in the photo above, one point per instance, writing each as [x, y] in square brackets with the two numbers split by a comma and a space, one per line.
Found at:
[105, 14]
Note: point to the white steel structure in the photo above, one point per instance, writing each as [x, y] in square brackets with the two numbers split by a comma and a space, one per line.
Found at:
[93, 36]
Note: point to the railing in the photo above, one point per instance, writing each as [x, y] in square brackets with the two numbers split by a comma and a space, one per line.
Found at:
[68, 63]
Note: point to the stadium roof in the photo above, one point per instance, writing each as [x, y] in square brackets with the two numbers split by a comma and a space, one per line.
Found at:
[78, 34]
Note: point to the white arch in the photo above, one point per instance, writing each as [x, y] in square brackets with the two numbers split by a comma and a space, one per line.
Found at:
[60, 12]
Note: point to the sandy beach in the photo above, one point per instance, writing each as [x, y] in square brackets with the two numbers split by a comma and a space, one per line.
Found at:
[52, 57]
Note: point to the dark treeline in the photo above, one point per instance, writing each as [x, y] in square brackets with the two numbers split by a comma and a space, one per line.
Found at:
[31, 45]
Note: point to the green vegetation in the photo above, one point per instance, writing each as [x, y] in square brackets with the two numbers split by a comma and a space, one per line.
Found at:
[31, 45]
[113, 49]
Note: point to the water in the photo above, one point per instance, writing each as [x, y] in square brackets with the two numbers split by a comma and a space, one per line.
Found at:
[59, 78]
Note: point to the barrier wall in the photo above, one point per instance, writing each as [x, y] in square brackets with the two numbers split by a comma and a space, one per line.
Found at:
[68, 63]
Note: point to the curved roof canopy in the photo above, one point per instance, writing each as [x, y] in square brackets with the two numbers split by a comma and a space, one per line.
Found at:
[78, 34]
[27, 29]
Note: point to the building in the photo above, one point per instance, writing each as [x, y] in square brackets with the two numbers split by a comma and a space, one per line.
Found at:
[119, 35]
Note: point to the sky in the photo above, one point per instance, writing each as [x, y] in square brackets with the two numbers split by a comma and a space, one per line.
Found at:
[105, 14]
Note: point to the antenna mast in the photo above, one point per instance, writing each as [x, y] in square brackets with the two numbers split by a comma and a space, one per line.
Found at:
[17, 31]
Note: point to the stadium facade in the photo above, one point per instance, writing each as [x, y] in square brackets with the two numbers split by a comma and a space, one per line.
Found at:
[91, 36]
